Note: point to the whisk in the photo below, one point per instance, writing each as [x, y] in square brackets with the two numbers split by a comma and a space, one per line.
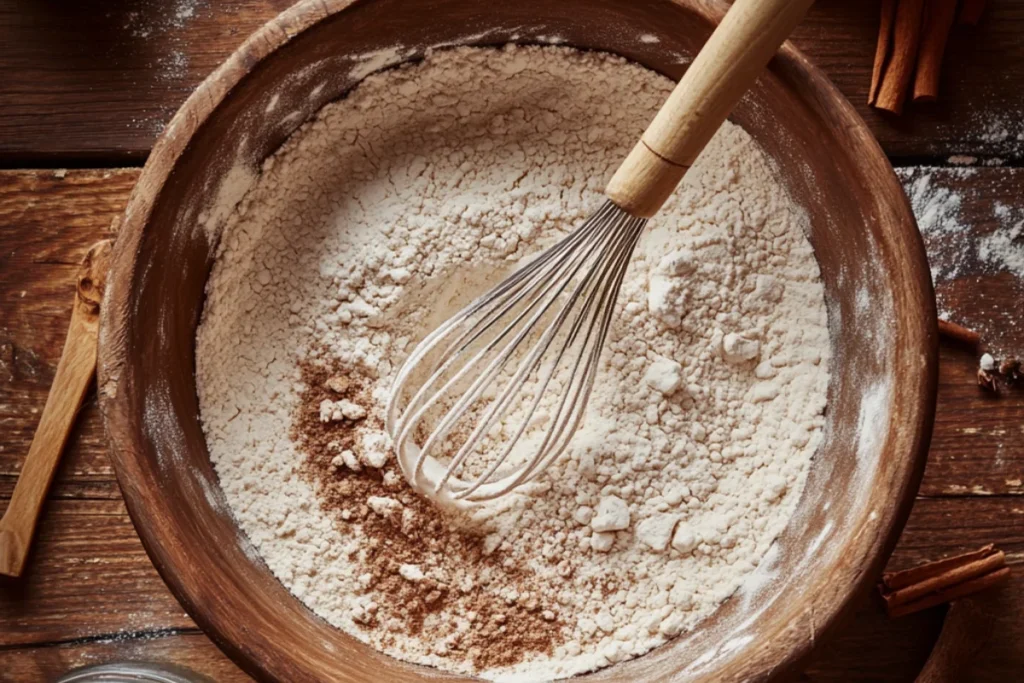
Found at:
[502, 386]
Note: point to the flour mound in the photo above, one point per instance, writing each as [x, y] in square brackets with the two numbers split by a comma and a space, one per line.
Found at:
[396, 206]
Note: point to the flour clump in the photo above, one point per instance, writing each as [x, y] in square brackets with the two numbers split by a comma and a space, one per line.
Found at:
[400, 203]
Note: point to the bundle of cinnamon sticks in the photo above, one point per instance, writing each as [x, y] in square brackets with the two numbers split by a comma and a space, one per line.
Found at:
[911, 40]
[938, 582]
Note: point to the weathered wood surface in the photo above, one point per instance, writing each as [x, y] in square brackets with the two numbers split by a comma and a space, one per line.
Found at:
[91, 594]
[95, 83]
[48, 224]
[188, 648]
[978, 444]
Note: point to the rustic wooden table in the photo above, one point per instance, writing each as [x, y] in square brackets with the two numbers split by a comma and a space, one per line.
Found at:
[87, 87]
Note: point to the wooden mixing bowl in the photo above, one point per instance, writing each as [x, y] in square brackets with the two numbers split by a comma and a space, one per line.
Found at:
[880, 303]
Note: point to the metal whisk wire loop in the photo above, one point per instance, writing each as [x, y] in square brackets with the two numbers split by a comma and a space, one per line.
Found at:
[539, 333]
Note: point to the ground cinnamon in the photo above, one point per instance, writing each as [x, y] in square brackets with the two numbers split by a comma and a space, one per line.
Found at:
[503, 632]
[938, 582]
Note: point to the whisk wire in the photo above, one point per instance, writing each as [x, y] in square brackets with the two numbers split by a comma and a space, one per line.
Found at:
[565, 422]
[503, 295]
[526, 369]
[583, 272]
[581, 396]
[473, 393]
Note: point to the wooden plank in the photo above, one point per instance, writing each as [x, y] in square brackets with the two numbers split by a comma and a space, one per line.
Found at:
[191, 649]
[978, 443]
[81, 83]
[88, 576]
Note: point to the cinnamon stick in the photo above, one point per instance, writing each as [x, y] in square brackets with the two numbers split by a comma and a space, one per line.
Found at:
[959, 333]
[898, 580]
[960, 590]
[897, 70]
[882, 48]
[938, 21]
[971, 11]
[934, 583]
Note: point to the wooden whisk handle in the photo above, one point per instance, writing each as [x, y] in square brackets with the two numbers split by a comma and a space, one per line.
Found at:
[74, 374]
[729, 63]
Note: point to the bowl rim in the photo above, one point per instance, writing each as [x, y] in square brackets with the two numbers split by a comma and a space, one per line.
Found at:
[113, 355]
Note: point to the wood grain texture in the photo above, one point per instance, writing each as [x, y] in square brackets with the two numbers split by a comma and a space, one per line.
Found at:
[188, 648]
[978, 442]
[88, 576]
[84, 83]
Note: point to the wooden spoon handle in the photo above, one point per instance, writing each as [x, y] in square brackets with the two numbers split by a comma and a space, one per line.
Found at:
[74, 374]
[729, 63]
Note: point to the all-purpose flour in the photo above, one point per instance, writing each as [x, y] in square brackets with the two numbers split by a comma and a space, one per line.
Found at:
[400, 203]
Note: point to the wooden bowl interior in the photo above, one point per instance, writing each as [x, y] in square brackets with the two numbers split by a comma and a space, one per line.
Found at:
[881, 316]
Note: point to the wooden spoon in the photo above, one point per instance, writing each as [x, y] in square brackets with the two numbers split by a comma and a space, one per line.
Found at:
[74, 375]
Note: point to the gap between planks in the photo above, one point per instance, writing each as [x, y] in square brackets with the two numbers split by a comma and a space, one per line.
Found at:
[115, 637]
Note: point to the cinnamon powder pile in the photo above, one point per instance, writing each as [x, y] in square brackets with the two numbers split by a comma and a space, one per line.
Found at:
[416, 533]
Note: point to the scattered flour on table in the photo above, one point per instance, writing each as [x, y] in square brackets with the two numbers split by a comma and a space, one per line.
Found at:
[396, 206]
[988, 241]
[165, 23]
